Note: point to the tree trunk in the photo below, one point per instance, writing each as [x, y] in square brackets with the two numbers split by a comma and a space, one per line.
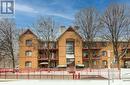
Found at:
[90, 59]
[13, 61]
[118, 64]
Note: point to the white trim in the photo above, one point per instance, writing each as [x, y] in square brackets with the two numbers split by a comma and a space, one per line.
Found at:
[62, 66]
[44, 63]
[80, 65]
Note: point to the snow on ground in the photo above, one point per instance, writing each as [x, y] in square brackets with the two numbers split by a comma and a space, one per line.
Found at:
[65, 82]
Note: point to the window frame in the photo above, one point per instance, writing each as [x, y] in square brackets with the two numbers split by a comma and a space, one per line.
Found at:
[104, 53]
[28, 42]
[27, 53]
[70, 47]
[28, 64]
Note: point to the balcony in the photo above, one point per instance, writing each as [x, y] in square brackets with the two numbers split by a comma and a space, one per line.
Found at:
[86, 58]
[50, 46]
[50, 49]
[43, 58]
[46, 58]
[123, 48]
[126, 57]
[93, 48]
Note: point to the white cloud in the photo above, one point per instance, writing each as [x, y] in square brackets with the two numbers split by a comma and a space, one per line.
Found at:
[28, 10]
[25, 8]
[61, 15]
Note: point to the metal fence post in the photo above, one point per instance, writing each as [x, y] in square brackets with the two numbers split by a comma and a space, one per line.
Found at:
[5, 73]
[28, 73]
[40, 74]
[73, 76]
[17, 75]
[108, 76]
[78, 75]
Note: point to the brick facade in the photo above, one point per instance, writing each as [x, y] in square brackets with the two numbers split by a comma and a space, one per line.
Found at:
[33, 56]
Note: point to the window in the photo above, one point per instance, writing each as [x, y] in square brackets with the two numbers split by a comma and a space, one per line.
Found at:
[45, 44]
[85, 54]
[29, 42]
[94, 62]
[53, 45]
[28, 64]
[28, 53]
[70, 60]
[69, 47]
[104, 53]
[52, 55]
[104, 44]
[104, 62]
[94, 53]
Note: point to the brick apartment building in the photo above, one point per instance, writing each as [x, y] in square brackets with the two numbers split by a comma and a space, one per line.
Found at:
[68, 50]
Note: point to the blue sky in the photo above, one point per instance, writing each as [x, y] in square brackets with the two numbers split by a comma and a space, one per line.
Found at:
[63, 11]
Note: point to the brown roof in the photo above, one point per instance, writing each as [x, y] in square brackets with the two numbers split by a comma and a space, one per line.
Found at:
[28, 31]
[69, 29]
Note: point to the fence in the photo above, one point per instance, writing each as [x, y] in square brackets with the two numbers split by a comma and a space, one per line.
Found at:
[56, 73]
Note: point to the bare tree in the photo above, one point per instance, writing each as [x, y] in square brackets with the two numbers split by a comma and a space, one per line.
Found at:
[88, 21]
[45, 28]
[8, 40]
[116, 23]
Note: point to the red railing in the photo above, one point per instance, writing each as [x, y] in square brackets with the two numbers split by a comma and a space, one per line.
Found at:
[2, 70]
[94, 58]
[56, 73]
[126, 57]
[46, 58]
[93, 48]
[51, 49]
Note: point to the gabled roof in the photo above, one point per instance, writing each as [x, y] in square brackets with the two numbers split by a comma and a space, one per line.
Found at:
[28, 31]
[69, 29]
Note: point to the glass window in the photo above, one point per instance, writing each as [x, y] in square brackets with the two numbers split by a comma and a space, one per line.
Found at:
[28, 53]
[104, 53]
[29, 42]
[52, 55]
[45, 44]
[69, 47]
[28, 64]
[53, 45]
[69, 60]
[94, 62]
[104, 62]
[94, 53]
[85, 54]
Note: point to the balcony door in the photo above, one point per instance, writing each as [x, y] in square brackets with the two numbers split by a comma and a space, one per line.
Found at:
[70, 53]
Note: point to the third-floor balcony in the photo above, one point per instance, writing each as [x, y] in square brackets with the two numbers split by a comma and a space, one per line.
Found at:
[86, 58]
[93, 48]
[46, 58]
[126, 57]
[45, 49]
[51, 46]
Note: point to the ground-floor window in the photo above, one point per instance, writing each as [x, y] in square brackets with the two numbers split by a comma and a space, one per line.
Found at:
[86, 64]
[127, 64]
[28, 64]
[94, 62]
[104, 62]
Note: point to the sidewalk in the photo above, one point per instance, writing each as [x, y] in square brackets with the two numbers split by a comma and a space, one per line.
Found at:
[65, 82]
